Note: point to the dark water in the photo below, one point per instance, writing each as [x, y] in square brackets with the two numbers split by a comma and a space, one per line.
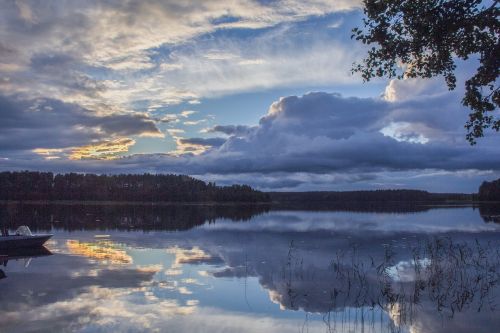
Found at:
[252, 269]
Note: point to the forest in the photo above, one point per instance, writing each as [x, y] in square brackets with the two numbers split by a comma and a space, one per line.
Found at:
[46, 186]
[489, 191]
[386, 196]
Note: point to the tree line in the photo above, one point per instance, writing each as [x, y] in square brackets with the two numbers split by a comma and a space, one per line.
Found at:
[33, 185]
[378, 196]
[489, 191]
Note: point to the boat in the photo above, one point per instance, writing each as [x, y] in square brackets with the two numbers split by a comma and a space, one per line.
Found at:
[23, 238]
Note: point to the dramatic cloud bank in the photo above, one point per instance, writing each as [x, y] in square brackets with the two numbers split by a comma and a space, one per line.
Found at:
[322, 138]
[51, 126]
[132, 86]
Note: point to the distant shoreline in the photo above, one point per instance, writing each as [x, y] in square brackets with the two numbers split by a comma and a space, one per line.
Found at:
[453, 203]
[172, 189]
[137, 203]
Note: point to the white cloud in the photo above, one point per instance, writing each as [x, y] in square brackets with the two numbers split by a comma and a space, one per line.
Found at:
[119, 55]
[326, 138]
[122, 38]
[266, 62]
[407, 89]
[187, 113]
[195, 122]
[336, 24]
[403, 131]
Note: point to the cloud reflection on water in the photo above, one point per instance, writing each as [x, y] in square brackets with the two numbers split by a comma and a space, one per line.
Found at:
[102, 250]
[228, 274]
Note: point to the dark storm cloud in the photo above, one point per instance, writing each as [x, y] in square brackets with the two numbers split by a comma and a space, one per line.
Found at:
[321, 132]
[126, 124]
[318, 138]
[236, 130]
[49, 123]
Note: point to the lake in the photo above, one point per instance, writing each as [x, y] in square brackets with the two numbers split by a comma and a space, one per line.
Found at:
[193, 268]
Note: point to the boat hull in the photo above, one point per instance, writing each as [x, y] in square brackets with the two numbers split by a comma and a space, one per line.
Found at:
[17, 242]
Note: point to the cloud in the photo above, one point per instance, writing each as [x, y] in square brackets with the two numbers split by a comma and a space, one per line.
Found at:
[321, 132]
[187, 113]
[325, 139]
[269, 60]
[128, 124]
[102, 150]
[123, 52]
[236, 130]
[177, 117]
[294, 262]
[268, 248]
[109, 71]
[175, 131]
[401, 90]
[52, 124]
[209, 142]
[194, 122]
[283, 181]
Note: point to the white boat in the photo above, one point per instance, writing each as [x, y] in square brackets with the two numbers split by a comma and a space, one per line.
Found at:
[23, 238]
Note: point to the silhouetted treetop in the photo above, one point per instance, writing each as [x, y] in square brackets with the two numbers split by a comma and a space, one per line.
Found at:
[426, 37]
[490, 191]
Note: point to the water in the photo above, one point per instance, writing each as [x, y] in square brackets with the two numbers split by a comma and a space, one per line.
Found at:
[253, 269]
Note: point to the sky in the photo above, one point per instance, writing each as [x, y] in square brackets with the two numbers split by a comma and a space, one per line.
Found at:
[258, 92]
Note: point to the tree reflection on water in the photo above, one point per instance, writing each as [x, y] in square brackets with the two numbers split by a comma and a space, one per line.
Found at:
[179, 217]
[490, 212]
[430, 271]
[81, 216]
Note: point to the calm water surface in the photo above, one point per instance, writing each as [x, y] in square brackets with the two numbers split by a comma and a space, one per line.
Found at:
[192, 269]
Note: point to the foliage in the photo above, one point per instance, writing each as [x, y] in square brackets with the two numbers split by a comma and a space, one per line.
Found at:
[423, 38]
[28, 185]
[490, 191]
[376, 196]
